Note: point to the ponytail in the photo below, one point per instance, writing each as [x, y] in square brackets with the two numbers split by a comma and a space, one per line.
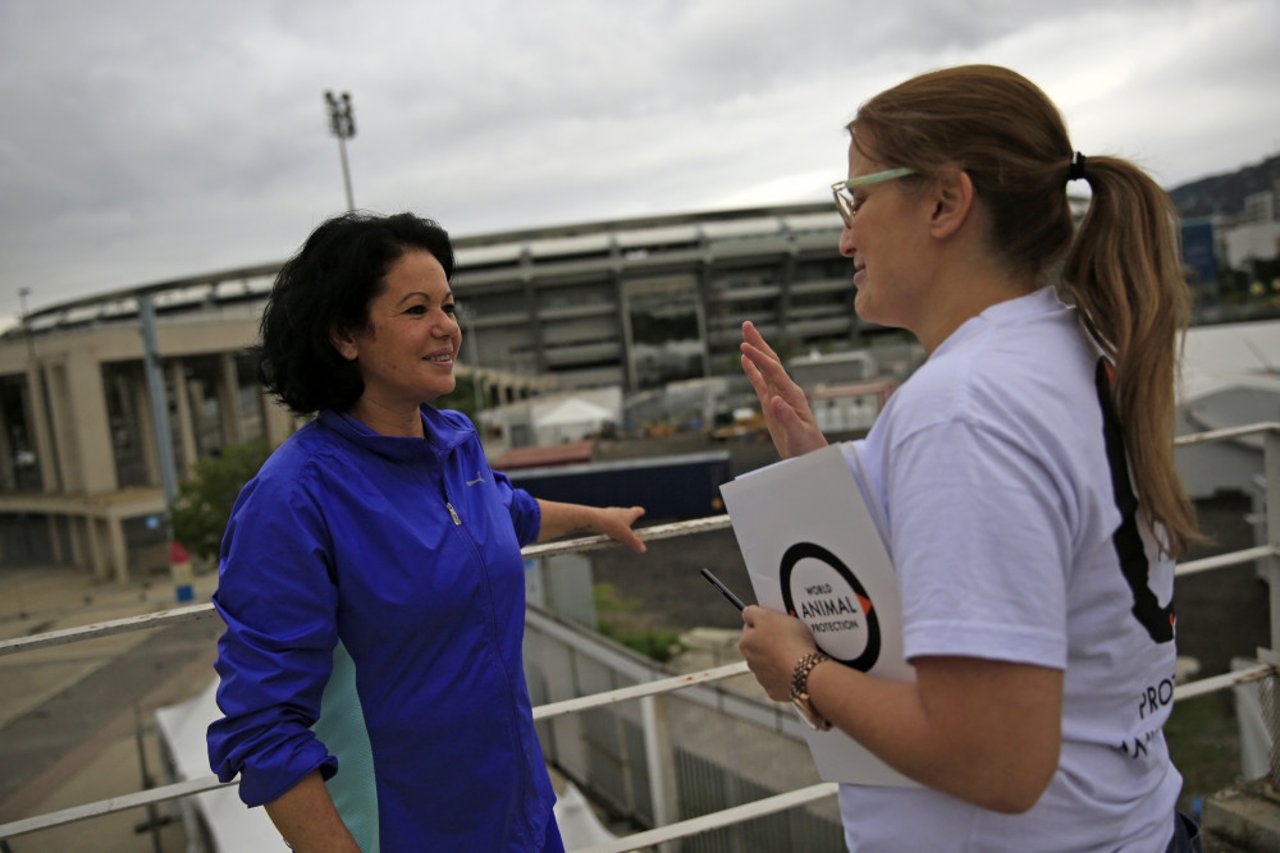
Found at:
[1124, 271]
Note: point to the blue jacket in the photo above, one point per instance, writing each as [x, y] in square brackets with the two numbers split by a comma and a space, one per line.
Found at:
[373, 592]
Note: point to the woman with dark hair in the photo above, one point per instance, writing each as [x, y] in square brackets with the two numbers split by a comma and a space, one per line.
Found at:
[371, 579]
[1026, 477]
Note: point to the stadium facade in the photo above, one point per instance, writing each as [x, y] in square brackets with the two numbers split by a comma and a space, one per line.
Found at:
[634, 303]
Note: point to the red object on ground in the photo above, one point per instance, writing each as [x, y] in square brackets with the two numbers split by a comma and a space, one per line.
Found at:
[178, 554]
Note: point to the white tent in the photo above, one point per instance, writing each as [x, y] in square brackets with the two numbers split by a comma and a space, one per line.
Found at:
[572, 412]
[570, 420]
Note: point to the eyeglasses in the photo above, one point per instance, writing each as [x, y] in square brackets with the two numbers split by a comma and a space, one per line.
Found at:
[842, 190]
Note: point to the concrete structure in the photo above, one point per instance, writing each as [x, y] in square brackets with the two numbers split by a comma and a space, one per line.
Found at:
[1262, 206]
[80, 477]
[638, 304]
[635, 304]
[643, 302]
[1250, 237]
[1251, 241]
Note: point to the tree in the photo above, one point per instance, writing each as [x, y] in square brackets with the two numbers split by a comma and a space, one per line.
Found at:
[200, 512]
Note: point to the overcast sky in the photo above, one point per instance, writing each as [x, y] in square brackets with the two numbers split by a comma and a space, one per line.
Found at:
[146, 140]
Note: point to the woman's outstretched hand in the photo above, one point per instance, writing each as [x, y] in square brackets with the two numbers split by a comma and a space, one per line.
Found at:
[616, 522]
[786, 411]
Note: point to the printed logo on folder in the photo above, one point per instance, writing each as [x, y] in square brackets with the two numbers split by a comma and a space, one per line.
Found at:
[826, 595]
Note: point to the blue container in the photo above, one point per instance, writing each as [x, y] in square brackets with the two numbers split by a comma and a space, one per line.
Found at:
[668, 487]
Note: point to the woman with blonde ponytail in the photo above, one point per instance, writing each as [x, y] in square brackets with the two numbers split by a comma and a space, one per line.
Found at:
[1026, 476]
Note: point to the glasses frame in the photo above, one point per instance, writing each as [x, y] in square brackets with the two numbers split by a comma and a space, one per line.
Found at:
[841, 189]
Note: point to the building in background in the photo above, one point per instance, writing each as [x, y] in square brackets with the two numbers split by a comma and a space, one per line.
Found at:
[651, 306]
[79, 455]
[642, 303]
[633, 303]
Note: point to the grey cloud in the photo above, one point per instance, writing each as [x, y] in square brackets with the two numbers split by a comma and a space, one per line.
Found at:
[146, 140]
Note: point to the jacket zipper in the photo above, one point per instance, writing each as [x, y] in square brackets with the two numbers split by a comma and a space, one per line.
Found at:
[444, 494]
[457, 522]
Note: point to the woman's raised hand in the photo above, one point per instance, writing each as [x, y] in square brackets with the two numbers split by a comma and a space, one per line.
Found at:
[786, 411]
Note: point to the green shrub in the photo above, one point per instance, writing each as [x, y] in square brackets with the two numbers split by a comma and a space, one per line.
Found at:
[660, 644]
[200, 512]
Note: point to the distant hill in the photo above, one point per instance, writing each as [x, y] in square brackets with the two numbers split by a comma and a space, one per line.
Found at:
[1225, 193]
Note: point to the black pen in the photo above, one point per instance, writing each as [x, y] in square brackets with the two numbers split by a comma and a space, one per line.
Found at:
[724, 590]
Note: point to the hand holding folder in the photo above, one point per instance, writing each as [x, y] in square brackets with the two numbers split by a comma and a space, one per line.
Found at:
[813, 549]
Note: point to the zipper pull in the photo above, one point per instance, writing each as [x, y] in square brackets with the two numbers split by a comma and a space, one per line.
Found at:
[453, 514]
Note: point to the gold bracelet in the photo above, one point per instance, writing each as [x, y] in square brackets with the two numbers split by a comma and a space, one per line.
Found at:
[800, 690]
[800, 675]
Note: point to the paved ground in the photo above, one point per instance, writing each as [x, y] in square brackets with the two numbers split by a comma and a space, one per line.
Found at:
[76, 720]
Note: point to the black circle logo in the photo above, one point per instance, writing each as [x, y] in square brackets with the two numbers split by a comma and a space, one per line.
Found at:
[823, 593]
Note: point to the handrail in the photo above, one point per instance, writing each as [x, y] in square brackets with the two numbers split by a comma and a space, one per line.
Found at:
[177, 790]
[635, 691]
[164, 793]
[716, 820]
[1225, 433]
[149, 797]
[196, 611]
[1231, 558]
[199, 612]
[647, 534]
[1215, 683]
[96, 630]
[669, 832]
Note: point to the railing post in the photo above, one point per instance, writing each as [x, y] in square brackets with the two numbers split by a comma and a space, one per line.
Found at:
[660, 759]
[1271, 565]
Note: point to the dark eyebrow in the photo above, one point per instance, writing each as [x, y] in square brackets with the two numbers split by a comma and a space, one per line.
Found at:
[448, 295]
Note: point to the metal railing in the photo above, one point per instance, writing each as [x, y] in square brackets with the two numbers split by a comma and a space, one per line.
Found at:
[1268, 554]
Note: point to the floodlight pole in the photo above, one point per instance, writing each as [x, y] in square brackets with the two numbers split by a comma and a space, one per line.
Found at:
[343, 125]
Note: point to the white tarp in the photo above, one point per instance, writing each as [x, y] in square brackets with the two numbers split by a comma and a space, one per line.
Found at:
[572, 419]
[1216, 356]
[573, 412]
[1230, 378]
[231, 825]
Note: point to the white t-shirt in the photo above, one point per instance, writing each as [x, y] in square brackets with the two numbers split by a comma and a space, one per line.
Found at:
[991, 465]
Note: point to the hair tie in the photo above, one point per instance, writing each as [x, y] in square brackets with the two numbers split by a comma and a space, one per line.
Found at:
[1075, 171]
